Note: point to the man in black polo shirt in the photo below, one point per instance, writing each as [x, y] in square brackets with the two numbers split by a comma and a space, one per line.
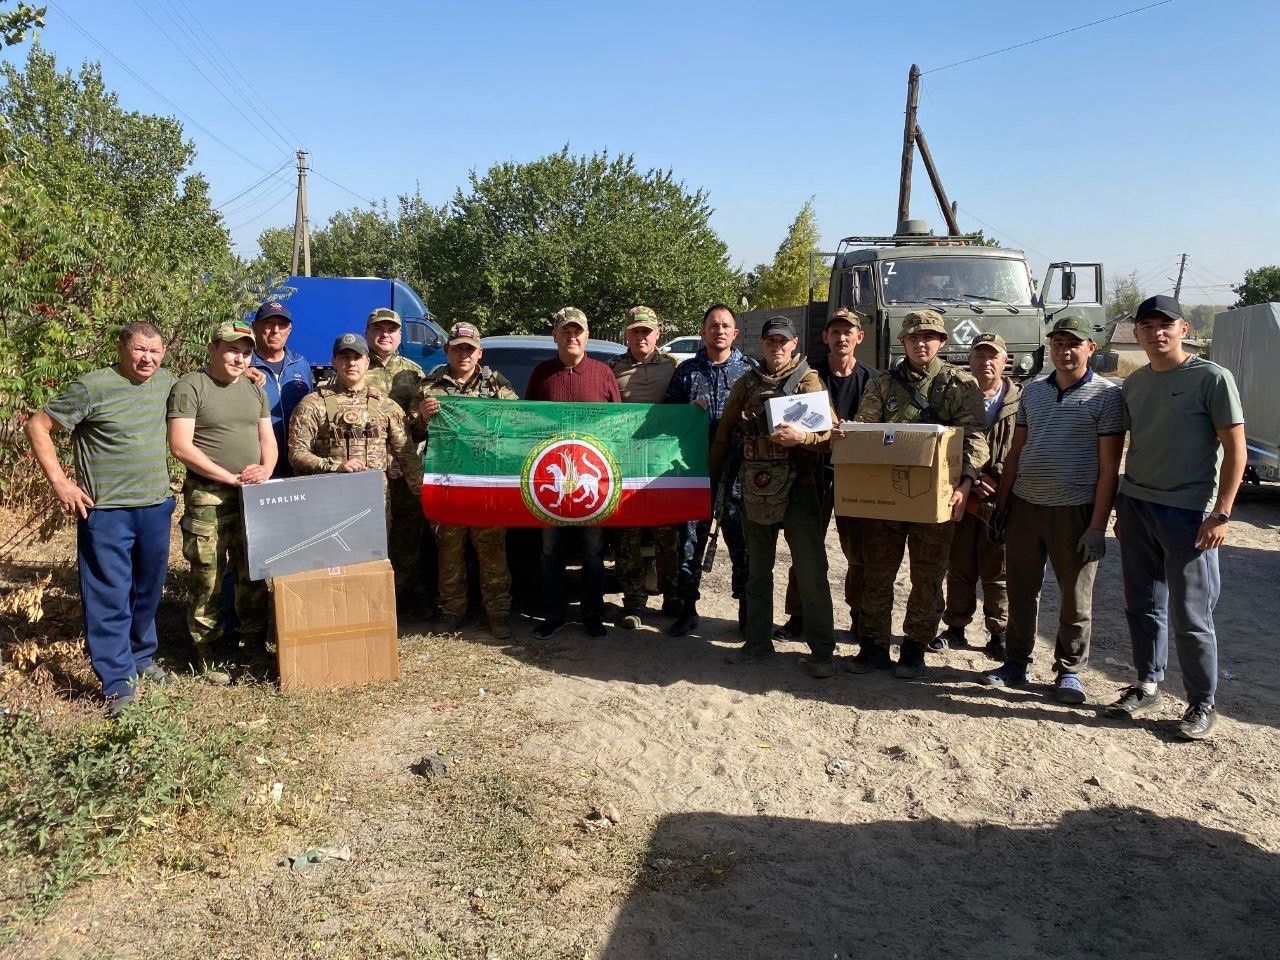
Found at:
[845, 379]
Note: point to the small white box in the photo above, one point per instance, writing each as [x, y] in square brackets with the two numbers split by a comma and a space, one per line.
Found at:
[804, 411]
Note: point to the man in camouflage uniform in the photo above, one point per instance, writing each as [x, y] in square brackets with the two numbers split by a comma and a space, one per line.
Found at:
[920, 388]
[779, 475]
[397, 377]
[346, 426]
[463, 376]
[643, 374]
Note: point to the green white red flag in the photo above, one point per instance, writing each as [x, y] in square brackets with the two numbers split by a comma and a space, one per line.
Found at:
[508, 463]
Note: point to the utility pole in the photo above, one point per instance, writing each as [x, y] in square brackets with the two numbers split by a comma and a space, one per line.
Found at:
[908, 145]
[946, 206]
[301, 225]
[1177, 286]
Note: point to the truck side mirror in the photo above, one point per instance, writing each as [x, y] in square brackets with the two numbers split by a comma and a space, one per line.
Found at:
[1068, 286]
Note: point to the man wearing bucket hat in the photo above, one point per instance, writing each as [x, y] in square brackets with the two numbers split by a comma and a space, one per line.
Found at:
[220, 429]
[919, 388]
[464, 376]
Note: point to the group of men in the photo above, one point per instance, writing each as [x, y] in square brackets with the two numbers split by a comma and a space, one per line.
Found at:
[1039, 479]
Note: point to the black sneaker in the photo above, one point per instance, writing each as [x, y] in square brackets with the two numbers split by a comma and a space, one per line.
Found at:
[821, 668]
[548, 628]
[995, 648]
[871, 656]
[1132, 702]
[745, 654]
[791, 630]
[594, 627]
[118, 705]
[685, 624]
[1198, 722]
[910, 661]
[949, 638]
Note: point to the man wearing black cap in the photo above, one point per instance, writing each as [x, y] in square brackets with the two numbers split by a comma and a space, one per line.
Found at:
[286, 374]
[780, 474]
[1185, 463]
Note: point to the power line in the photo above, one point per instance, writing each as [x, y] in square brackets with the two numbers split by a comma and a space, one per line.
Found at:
[133, 73]
[995, 229]
[1048, 36]
[252, 186]
[262, 213]
[341, 187]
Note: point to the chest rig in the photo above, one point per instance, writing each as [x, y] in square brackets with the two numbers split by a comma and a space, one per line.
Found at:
[352, 428]
[756, 444]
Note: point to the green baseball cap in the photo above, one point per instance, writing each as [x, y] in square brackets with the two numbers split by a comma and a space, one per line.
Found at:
[233, 330]
[642, 317]
[992, 340]
[1075, 324]
[922, 320]
[384, 313]
[852, 317]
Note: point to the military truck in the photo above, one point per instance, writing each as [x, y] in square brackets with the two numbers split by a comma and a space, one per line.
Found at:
[976, 288]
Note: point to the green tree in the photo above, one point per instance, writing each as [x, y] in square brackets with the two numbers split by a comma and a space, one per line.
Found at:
[528, 238]
[1124, 295]
[14, 24]
[1201, 315]
[1260, 286]
[785, 281]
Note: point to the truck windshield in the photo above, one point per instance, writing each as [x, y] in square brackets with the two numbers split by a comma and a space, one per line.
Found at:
[917, 279]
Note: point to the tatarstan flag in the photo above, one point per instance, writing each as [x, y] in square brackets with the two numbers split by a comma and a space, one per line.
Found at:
[509, 463]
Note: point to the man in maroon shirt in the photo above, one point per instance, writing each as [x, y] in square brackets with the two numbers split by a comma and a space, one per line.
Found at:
[572, 377]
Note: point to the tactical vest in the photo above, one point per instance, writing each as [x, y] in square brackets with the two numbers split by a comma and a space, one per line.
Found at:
[768, 470]
[922, 407]
[352, 430]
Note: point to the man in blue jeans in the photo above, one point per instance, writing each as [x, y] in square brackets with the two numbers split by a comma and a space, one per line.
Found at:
[1186, 459]
[122, 501]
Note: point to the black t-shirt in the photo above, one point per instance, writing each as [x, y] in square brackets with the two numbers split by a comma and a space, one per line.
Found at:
[846, 392]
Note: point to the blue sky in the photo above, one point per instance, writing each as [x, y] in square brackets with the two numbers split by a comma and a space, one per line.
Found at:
[1130, 142]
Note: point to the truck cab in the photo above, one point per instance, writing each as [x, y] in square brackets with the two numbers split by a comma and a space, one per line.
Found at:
[976, 288]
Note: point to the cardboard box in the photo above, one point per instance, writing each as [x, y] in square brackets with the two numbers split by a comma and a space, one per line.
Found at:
[896, 471]
[337, 627]
[804, 411]
[314, 522]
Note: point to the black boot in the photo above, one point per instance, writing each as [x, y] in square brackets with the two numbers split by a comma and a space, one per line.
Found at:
[686, 623]
[793, 629]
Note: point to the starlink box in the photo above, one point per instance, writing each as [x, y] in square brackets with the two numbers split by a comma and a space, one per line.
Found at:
[896, 471]
[804, 411]
[314, 522]
[337, 627]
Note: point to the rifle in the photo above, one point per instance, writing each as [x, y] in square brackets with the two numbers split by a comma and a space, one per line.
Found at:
[721, 504]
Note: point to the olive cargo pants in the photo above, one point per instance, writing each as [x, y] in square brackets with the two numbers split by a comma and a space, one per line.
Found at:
[929, 547]
[975, 559]
[495, 578]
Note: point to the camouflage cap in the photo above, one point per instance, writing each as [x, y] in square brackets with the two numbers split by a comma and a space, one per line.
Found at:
[384, 313]
[464, 333]
[853, 317]
[569, 315]
[1075, 324]
[922, 321]
[993, 340]
[646, 317]
[233, 330]
[351, 341]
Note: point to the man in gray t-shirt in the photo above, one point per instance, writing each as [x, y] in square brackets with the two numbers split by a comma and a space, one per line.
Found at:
[121, 500]
[1185, 463]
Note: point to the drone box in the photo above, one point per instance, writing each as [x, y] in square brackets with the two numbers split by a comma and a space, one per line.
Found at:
[336, 627]
[896, 471]
[804, 411]
[314, 522]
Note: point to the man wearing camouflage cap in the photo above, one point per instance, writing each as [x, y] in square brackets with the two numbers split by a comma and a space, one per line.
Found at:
[975, 556]
[1059, 483]
[919, 388]
[220, 429]
[397, 377]
[643, 374]
[346, 426]
[463, 376]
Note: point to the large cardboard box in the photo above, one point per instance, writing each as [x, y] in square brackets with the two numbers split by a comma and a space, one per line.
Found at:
[337, 627]
[314, 522]
[896, 471]
[804, 411]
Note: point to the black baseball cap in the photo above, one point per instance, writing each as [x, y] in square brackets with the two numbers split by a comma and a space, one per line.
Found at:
[1161, 304]
[351, 341]
[273, 308]
[775, 325]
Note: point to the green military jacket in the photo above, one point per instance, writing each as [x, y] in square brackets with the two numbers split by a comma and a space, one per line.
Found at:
[334, 424]
[953, 396]
[396, 377]
[484, 383]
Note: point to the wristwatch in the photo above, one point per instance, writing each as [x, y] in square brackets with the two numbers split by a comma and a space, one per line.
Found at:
[1220, 517]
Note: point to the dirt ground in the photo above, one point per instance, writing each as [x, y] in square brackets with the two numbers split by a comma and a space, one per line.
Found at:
[764, 814]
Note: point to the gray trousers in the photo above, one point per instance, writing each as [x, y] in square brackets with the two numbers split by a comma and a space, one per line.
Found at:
[1169, 586]
[1036, 534]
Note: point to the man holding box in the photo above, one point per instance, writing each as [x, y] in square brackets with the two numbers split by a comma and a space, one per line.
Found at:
[920, 388]
[779, 476]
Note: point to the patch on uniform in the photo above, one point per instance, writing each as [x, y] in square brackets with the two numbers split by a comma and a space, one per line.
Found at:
[891, 404]
[351, 416]
[762, 479]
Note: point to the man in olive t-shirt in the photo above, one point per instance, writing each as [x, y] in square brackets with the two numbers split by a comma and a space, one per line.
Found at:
[121, 501]
[1185, 463]
[220, 428]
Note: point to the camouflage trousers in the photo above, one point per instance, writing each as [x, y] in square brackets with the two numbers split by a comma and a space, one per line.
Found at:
[495, 578]
[633, 570]
[212, 542]
[974, 559]
[404, 533]
[883, 543]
